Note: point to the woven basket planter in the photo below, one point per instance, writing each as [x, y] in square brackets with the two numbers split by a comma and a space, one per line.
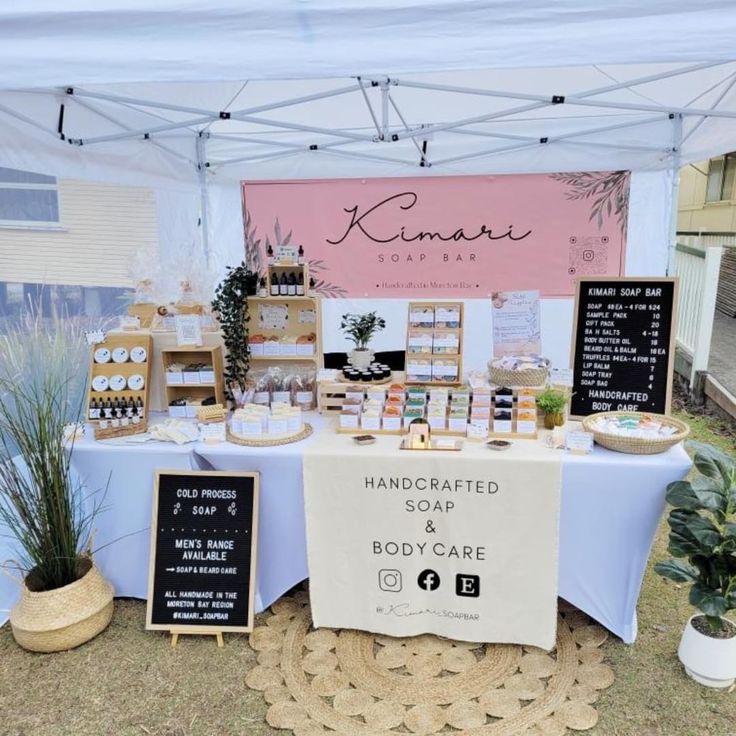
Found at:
[637, 445]
[529, 377]
[55, 620]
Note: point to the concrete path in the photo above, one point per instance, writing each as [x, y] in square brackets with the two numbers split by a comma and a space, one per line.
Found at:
[722, 361]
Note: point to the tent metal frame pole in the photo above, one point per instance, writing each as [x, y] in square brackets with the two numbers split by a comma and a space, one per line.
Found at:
[135, 101]
[305, 128]
[24, 119]
[299, 100]
[266, 156]
[542, 98]
[140, 133]
[717, 102]
[379, 132]
[565, 136]
[88, 106]
[675, 168]
[280, 144]
[368, 157]
[422, 154]
[483, 154]
[201, 145]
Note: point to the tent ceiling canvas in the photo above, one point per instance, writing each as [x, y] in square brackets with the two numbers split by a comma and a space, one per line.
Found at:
[365, 88]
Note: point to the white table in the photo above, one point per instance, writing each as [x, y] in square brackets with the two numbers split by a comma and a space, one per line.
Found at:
[611, 505]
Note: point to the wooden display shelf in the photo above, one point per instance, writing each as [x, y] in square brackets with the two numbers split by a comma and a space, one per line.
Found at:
[127, 340]
[331, 394]
[293, 328]
[431, 355]
[211, 355]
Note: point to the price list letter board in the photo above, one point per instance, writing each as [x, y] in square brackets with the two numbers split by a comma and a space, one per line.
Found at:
[623, 345]
[203, 552]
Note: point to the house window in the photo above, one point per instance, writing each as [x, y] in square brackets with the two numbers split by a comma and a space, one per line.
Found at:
[721, 178]
[28, 199]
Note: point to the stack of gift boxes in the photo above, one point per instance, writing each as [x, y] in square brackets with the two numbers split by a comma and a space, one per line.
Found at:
[392, 409]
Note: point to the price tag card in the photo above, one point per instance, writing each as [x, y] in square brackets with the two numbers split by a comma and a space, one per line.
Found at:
[130, 322]
[579, 443]
[188, 329]
[561, 376]
[214, 432]
[286, 254]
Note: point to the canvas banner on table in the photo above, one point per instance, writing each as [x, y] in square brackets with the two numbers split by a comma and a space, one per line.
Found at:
[444, 236]
[440, 542]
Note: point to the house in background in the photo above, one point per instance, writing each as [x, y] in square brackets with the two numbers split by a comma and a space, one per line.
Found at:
[706, 219]
[69, 241]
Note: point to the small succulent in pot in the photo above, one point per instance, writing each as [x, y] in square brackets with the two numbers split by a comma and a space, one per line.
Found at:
[552, 402]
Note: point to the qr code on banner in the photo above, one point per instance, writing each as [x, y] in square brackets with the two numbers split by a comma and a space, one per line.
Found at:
[588, 255]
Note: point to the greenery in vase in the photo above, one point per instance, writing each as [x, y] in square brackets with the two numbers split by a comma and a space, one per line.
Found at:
[703, 534]
[552, 401]
[42, 506]
[231, 304]
[360, 328]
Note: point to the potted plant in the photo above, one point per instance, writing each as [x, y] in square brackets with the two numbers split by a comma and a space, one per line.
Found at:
[65, 600]
[703, 544]
[231, 304]
[360, 328]
[552, 402]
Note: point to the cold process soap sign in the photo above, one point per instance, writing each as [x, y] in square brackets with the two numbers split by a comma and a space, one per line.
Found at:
[623, 345]
[448, 236]
[203, 549]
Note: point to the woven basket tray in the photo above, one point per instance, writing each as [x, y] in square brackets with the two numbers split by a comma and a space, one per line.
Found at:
[302, 434]
[637, 445]
[528, 377]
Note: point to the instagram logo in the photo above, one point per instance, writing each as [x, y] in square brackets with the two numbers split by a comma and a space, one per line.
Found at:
[389, 580]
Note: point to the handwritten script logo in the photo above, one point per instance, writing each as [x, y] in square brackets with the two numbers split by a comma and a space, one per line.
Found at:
[365, 223]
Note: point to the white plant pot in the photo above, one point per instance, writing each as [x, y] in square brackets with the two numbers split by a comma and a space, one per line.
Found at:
[361, 359]
[709, 661]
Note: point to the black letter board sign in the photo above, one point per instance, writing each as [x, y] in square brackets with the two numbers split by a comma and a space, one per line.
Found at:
[203, 551]
[623, 345]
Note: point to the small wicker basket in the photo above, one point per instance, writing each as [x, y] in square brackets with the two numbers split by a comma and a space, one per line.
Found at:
[637, 445]
[526, 377]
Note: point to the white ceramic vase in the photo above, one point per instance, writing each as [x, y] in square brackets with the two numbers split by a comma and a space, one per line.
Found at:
[361, 359]
[709, 661]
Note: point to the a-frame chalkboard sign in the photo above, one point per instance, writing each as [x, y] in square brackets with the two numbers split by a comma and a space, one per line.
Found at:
[623, 345]
[203, 552]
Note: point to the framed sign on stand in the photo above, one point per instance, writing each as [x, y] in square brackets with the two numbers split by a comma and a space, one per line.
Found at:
[204, 531]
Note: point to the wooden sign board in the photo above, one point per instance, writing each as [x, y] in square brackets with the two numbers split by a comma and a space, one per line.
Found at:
[202, 567]
[623, 345]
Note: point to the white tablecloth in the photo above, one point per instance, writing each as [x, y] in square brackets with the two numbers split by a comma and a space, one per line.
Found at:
[611, 504]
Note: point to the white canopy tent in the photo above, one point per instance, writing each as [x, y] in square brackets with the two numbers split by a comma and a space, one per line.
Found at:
[124, 92]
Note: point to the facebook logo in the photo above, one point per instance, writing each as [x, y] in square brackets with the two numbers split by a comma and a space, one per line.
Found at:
[428, 580]
[467, 586]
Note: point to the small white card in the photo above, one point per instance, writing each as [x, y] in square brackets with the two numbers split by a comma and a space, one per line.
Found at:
[561, 377]
[214, 432]
[392, 423]
[128, 322]
[188, 329]
[306, 348]
[579, 443]
[478, 430]
[370, 422]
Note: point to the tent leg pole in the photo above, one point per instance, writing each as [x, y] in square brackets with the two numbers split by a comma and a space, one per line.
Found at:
[204, 204]
[676, 163]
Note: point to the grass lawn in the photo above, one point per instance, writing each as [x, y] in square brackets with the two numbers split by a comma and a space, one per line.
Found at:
[128, 682]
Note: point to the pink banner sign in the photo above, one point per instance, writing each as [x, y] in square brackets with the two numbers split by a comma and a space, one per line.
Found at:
[445, 236]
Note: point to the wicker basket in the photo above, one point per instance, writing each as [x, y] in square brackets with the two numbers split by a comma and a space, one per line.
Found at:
[527, 377]
[55, 620]
[637, 445]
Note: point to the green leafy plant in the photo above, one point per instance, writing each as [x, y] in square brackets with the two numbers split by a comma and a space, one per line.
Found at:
[231, 304]
[703, 534]
[42, 506]
[360, 328]
[552, 401]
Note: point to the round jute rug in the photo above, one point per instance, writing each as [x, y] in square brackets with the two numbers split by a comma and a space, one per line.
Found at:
[352, 683]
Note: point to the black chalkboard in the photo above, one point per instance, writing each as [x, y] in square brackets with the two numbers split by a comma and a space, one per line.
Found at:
[623, 345]
[203, 551]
